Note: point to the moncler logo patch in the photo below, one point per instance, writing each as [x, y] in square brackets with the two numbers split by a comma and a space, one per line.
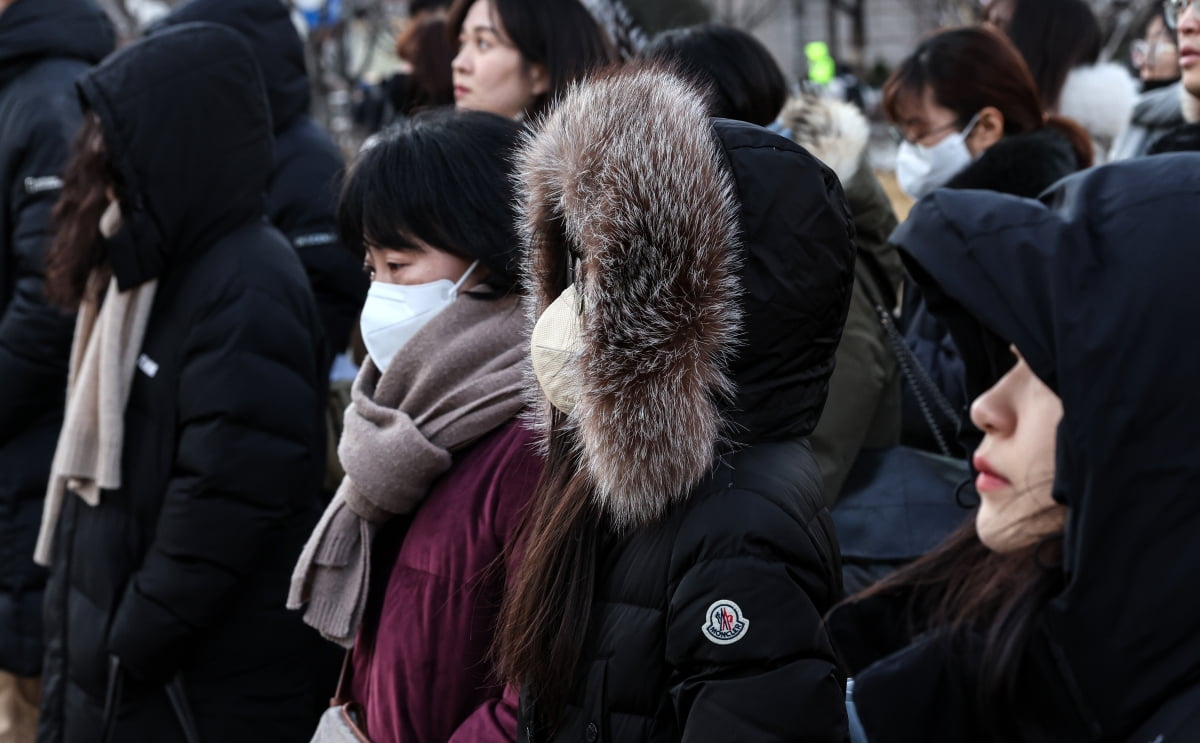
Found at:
[726, 624]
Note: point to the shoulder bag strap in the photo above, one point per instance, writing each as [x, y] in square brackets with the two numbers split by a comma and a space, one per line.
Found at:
[923, 387]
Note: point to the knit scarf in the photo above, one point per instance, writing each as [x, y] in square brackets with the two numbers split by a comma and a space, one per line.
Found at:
[108, 339]
[457, 379]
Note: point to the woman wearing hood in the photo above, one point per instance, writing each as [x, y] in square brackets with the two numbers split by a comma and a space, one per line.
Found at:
[686, 312]
[1061, 42]
[405, 565]
[187, 470]
[970, 118]
[1067, 611]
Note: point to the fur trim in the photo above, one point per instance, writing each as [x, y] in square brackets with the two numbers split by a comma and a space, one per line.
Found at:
[626, 177]
[1101, 98]
[835, 132]
[1190, 105]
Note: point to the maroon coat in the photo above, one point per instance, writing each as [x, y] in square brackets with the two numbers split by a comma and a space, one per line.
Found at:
[420, 661]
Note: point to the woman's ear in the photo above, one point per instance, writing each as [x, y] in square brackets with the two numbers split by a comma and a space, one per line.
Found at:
[539, 79]
[989, 129]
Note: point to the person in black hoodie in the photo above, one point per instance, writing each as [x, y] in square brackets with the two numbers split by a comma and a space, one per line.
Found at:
[305, 177]
[970, 117]
[44, 45]
[1077, 622]
[187, 471]
[680, 555]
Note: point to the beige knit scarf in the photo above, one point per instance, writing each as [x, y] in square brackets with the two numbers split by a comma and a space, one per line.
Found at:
[104, 353]
[457, 379]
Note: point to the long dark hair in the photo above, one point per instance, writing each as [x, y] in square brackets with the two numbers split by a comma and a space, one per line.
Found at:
[546, 610]
[544, 617]
[442, 177]
[742, 79]
[968, 69]
[985, 604]
[76, 248]
[1054, 37]
[560, 35]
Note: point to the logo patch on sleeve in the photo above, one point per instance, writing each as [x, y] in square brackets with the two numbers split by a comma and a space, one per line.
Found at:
[726, 624]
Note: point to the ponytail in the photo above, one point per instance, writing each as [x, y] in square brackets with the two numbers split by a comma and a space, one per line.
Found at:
[1080, 141]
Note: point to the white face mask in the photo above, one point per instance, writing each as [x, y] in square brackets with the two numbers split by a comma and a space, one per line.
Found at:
[921, 169]
[555, 343]
[393, 313]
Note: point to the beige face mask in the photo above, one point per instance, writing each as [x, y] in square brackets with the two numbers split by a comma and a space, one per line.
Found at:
[556, 342]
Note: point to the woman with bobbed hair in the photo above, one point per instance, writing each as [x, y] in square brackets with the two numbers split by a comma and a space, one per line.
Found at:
[516, 56]
[1066, 610]
[970, 118]
[404, 565]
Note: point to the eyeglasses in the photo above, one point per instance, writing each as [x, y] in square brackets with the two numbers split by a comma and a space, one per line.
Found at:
[1143, 52]
[1174, 10]
[898, 135]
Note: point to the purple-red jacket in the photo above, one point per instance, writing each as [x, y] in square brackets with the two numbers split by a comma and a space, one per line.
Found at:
[421, 665]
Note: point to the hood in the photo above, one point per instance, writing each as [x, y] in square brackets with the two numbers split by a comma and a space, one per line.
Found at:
[186, 122]
[1093, 284]
[1101, 98]
[1020, 164]
[33, 29]
[713, 299]
[1160, 109]
[835, 132]
[277, 46]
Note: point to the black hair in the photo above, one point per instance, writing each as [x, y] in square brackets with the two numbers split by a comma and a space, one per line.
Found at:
[560, 35]
[442, 177]
[741, 78]
[1054, 37]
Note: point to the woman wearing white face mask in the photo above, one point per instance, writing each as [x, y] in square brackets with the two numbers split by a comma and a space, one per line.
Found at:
[969, 115]
[403, 566]
[963, 92]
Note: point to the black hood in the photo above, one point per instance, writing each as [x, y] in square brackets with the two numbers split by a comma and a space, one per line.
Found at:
[277, 46]
[186, 122]
[34, 29]
[1096, 285]
[796, 276]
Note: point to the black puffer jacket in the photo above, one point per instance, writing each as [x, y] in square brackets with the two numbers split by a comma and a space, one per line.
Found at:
[306, 175]
[713, 257]
[1085, 285]
[44, 46]
[1020, 165]
[183, 571]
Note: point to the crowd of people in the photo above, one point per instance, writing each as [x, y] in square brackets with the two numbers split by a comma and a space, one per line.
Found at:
[662, 427]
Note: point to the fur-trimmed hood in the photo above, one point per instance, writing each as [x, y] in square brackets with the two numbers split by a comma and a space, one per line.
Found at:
[714, 260]
[834, 131]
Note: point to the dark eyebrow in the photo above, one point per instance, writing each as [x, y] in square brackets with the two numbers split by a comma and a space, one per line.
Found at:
[491, 29]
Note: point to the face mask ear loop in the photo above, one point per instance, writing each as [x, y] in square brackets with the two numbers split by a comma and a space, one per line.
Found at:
[966, 132]
[464, 278]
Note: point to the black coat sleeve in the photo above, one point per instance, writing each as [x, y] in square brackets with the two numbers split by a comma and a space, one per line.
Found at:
[777, 679]
[35, 338]
[246, 466]
[303, 206]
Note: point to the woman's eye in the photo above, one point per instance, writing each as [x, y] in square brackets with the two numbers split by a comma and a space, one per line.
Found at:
[394, 267]
[483, 44]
